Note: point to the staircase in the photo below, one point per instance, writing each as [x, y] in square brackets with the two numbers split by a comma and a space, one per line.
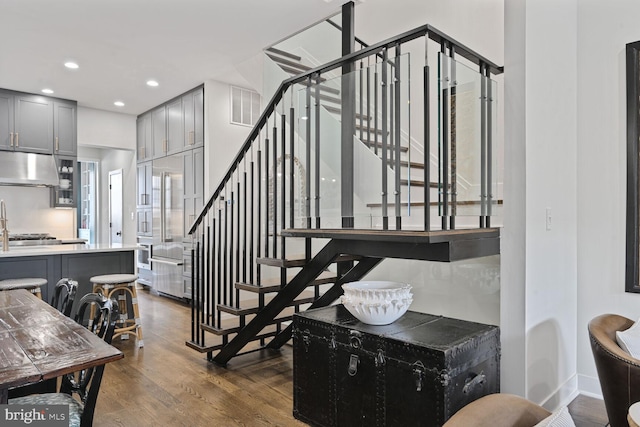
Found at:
[262, 249]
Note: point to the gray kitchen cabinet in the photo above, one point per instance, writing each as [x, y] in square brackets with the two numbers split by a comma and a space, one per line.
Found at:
[193, 196]
[175, 127]
[193, 113]
[159, 132]
[144, 184]
[144, 222]
[144, 198]
[33, 131]
[6, 121]
[64, 128]
[144, 137]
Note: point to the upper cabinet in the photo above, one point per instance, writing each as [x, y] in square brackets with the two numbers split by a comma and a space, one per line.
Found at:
[159, 131]
[64, 128]
[37, 124]
[193, 114]
[33, 124]
[145, 138]
[172, 127]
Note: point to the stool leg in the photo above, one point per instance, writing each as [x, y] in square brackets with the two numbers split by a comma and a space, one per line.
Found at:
[37, 292]
[136, 313]
[122, 306]
[97, 289]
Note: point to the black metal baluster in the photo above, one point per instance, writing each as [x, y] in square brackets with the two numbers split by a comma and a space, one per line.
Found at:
[383, 84]
[251, 217]
[274, 185]
[225, 250]
[375, 110]
[445, 140]
[317, 159]
[202, 288]
[258, 223]
[238, 239]
[245, 220]
[221, 290]
[427, 139]
[215, 285]
[483, 149]
[194, 326]
[361, 109]
[398, 191]
[368, 85]
[230, 230]
[267, 197]
[207, 274]
[392, 133]
[292, 158]
[307, 186]
[489, 148]
[283, 182]
[196, 321]
[452, 142]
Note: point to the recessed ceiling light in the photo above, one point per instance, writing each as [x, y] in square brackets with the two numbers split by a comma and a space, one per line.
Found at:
[152, 83]
[119, 104]
[49, 91]
[71, 65]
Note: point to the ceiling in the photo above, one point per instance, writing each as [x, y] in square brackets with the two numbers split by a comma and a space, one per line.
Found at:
[120, 44]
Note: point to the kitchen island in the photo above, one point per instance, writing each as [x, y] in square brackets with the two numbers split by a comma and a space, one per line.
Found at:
[75, 261]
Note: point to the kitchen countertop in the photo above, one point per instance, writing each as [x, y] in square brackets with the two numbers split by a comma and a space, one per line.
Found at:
[25, 251]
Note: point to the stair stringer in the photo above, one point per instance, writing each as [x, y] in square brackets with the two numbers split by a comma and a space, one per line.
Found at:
[299, 283]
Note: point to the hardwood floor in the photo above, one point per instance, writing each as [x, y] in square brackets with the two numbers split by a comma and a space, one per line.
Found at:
[169, 384]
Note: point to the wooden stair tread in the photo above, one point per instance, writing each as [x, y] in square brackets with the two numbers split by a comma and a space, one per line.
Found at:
[379, 144]
[322, 87]
[253, 310]
[274, 285]
[338, 110]
[235, 329]
[289, 63]
[284, 53]
[297, 261]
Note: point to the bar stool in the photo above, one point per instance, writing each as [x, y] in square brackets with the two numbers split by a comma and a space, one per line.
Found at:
[121, 284]
[31, 283]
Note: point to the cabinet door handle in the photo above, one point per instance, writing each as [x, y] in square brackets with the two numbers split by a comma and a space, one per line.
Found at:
[57, 144]
[191, 138]
[165, 145]
[11, 139]
[17, 139]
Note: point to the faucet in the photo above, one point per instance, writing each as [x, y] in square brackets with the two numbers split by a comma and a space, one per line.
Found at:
[3, 226]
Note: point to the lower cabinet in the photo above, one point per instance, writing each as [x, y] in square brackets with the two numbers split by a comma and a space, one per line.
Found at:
[79, 267]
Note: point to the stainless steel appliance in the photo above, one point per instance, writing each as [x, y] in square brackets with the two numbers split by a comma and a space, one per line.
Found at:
[167, 219]
[32, 239]
[143, 254]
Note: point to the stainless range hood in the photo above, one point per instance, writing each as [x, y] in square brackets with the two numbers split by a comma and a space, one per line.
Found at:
[28, 169]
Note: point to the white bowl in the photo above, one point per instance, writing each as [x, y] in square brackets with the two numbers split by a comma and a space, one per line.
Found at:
[377, 291]
[65, 183]
[377, 313]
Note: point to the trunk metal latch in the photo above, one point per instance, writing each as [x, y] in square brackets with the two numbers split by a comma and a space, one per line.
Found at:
[306, 339]
[353, 365]
[418, 374]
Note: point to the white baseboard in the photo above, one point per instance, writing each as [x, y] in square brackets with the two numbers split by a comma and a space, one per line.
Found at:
[563, 395]
[589, 386]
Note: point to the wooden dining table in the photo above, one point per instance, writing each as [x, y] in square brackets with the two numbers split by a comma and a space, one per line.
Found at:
[38, 343]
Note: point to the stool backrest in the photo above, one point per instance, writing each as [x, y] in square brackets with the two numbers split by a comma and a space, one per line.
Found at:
[63, 295]
[99, 315]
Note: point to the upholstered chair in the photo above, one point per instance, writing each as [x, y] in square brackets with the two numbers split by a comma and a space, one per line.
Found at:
[618, 372]
[499, 410]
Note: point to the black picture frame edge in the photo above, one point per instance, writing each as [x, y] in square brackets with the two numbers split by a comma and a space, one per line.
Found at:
[633, 121]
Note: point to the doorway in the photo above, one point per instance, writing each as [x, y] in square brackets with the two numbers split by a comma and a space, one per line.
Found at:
[115, 206]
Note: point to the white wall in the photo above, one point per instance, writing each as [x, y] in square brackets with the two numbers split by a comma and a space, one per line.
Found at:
[222, 139]
[110, 138]
[541, 125]
[604, 28]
